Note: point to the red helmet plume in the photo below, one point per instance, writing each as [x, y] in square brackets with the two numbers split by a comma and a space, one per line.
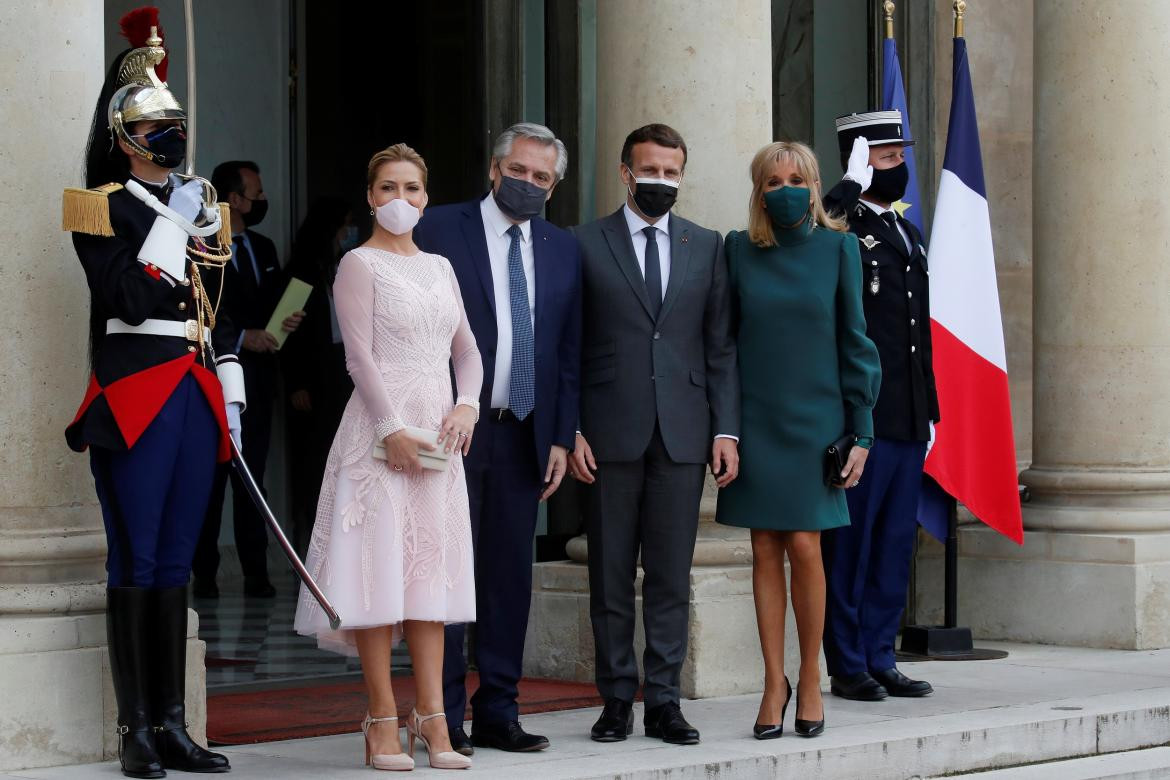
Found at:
[136, 26]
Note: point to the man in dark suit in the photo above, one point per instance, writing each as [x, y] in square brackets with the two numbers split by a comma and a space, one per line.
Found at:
[520, 281]
[868, 562]
[659, 399]
[253, 284]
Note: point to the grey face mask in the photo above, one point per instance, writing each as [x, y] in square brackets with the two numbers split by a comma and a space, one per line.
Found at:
[518, 199]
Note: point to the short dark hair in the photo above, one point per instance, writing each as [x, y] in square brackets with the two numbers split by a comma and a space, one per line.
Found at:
[226, 177]
[655, 133]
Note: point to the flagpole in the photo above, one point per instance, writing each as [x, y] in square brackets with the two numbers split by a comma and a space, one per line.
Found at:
[888, 7]
[960, 7]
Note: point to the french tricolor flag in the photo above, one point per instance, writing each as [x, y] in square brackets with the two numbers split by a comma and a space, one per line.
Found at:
[973, 457]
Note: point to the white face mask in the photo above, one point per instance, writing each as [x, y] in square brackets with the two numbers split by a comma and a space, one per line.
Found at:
[397, 216]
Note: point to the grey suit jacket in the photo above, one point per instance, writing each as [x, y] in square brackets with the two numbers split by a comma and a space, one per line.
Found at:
[679, 371]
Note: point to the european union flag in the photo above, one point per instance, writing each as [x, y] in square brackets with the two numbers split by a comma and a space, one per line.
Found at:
[894, 97]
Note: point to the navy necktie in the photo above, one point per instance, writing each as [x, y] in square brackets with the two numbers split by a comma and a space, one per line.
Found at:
[653, 271]
[521, 387]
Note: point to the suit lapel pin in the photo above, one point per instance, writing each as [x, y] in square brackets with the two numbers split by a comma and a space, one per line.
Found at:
[869, 242]
[685, 238]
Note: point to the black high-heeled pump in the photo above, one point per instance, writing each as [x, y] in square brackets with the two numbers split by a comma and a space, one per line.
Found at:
[776, 730]
[809, 728]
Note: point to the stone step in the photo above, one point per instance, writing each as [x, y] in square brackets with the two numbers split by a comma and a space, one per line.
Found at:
[1150, 764]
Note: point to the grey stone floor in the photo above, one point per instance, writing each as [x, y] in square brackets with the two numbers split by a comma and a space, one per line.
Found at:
[1039, 704]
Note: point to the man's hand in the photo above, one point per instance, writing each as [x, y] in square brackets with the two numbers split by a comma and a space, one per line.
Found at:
[858, 168]
[557, 461]
[725, 461]
[301, 401]
[292, 321]
[258, 340]
[581, 462]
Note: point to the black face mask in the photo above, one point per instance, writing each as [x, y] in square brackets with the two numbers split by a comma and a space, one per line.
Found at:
[654, 197]
[256, 215]
[168, 145]
[889, 184]
[518, 199]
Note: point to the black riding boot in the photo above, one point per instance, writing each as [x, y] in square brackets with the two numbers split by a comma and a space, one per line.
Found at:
[126, 621]
[169, 672]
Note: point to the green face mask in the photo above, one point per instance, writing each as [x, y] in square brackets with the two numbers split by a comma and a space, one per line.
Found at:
[787, 206]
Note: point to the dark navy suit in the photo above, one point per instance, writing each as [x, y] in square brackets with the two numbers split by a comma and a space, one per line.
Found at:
[868, 562]
[505, 468]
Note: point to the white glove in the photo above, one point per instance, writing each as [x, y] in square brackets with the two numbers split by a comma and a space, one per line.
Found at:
[858, 168]
[233, 421]
[187, 201]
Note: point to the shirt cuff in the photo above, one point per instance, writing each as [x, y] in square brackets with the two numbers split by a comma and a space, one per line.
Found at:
[726, 436]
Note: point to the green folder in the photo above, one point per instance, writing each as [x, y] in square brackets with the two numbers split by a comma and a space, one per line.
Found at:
[294, 299]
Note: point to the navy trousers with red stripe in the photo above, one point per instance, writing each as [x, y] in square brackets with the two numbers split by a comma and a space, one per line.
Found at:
[154, 495]
[867, 563]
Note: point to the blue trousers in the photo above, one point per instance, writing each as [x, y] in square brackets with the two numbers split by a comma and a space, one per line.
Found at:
[867, 563]
[154, 495]
[503, 489]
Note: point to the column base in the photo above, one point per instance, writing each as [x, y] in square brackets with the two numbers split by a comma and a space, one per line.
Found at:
[1108, 590]
[723, 656]
[59, 700]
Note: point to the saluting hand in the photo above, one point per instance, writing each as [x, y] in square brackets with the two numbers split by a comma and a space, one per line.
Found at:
[858, 168]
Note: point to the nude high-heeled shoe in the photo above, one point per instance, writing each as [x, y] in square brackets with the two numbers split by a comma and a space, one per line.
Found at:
[448, 759]
[394, 762]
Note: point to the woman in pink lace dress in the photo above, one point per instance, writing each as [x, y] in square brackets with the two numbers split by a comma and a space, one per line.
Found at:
[391, 546]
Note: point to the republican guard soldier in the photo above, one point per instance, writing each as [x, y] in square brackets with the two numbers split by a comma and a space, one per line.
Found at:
[868, 562]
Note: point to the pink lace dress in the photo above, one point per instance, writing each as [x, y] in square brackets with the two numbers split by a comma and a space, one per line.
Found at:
[388, 546]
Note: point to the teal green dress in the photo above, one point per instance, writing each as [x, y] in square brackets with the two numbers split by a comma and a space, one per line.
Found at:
[808, 374]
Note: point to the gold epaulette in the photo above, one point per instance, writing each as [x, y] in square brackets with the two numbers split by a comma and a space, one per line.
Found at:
[225, 227]
[88, 211]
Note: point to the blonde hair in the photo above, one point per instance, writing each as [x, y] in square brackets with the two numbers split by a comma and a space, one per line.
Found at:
[760, 230]
[395, 153]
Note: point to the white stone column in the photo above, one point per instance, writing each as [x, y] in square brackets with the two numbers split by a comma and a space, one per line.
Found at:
[54, 674]
[1095, 565]
[706, 72]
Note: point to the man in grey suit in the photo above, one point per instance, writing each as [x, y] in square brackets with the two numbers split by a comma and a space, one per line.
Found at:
[659, 400]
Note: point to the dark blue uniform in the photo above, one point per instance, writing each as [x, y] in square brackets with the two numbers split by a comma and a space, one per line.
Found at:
[868, 562]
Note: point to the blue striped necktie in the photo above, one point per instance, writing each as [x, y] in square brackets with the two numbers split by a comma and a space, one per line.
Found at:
[521, 387]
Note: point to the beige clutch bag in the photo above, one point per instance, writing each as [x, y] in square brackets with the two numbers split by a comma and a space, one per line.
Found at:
[435, 460]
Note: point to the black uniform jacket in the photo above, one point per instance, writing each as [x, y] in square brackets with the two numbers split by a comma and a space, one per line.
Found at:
[133, 375]
[896, 295]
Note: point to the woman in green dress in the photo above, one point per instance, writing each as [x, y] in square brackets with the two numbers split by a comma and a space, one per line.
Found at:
[809, 375]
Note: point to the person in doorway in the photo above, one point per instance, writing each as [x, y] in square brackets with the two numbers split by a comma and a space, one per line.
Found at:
[809, 375]
[392, 547]
[659, 400]
[316, 383]
[868, 562]
[253, 284]
[158, 410]
[520, 277]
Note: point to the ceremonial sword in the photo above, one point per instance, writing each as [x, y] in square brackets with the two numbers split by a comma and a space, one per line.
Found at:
[237, 458]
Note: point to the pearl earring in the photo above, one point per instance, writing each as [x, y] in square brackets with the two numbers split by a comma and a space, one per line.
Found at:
[371, 212]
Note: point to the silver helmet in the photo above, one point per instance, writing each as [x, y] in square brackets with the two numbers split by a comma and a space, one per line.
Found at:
[141, 94]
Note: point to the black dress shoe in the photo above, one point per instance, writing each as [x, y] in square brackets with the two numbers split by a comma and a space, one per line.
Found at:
[507, 736]
[898, 684]
[205, 589]
[666, 722]
[808, 728]
[258, 588]
[858, 687]
[460, 742]
[775, 730]
[616, 722]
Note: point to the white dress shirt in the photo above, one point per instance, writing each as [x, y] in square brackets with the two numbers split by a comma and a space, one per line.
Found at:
[495, 228]
[901, 230]
[661, 232]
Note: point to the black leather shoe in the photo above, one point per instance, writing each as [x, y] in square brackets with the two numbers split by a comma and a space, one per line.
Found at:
[460, 742]
[616, 722]
[258, 588]
[168, 666]
[775, 730]
[898, 684]
[205, 589]
[808, 728]
[507, 736]
[858, 687]
[666, 722]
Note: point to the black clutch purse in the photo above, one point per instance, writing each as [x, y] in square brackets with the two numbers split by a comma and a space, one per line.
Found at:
[836, 455]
